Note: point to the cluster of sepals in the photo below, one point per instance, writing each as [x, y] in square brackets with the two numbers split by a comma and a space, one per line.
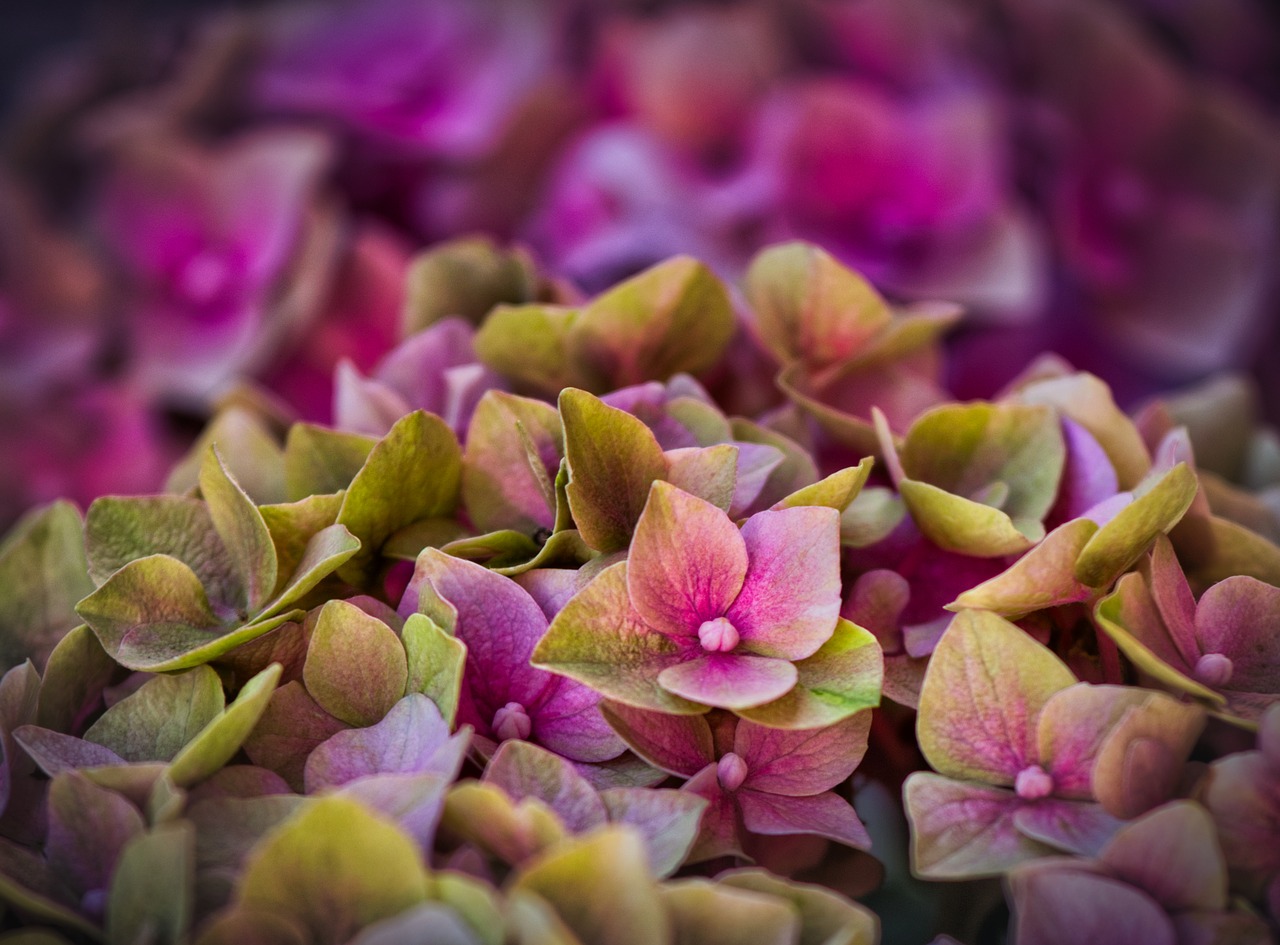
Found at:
[536, 644]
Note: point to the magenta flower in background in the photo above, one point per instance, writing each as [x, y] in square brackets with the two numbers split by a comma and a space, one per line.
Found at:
[208, 243]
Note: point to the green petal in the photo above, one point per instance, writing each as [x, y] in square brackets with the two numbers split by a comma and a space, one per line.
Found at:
[217, 743]
[413, 473]
[320, 461]
[153, 891]
[355, 667]
[156, 722]
[465, 277]
[435, 661]
[242, 529]
[529, 345]
[842, 678]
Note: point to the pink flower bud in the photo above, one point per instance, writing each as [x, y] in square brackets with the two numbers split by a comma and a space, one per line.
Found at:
[1214, 670]
[511, 721]
[718, 636]
[1033, 783]
[731, 771]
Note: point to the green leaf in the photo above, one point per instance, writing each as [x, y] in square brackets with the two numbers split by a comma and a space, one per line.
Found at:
[1043, 577]
[673, 317]
[293, 524]
[600, 641]
[979, 478]
[413, 473]
[242, 529]
[809, 307]
[709, 472]
[77, 672]
[465, 277]
[511, 442]
[529, 345]
[837, 491]
[842, 678]
[155, 722]
[601, 889]
[320, 461]
[248, 448]
[706, 913]
[43, 574]
[826, 918]
[119, 531]
[1121, 541]
[152, 895]
[612, 459]
[435, 661]
[334, 868]
[217, 743]
[986, 684]
[355, 665]
[325, 552]
[495, 550]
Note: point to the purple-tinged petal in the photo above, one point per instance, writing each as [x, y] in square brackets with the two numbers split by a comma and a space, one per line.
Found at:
[1071, 826]
[88, 828]
[1243, 795]
[720, 833]
[551, 588]
[523, 770]
[687, 562]
[290, 729]
[1065, 906]
[1072, 726]
[1087, 477]
[756, 462]
[413, 738]
[962, 831]
[1173, 855]
[414, 801]
[986, 685]
[56, 753]
[801, 762]
[567, 720]
[730, 680]
[680, 744]
[790, 598]
[824, 815]
[500, 624]
[668, 820]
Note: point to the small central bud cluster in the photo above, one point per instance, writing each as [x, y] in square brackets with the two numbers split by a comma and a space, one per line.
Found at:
[511, 721]
[1033, 783]
[718, 636]
[1214, 670]
[731, 771]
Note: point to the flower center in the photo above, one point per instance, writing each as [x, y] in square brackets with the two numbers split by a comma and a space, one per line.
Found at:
[1214, 670]
[205, 276]
[511, 721]
[731, 771]
[1033, 783]
[718, 636]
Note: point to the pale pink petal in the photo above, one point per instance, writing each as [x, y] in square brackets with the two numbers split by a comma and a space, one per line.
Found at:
[791, 596]
[568, 722]
[824, 815]
[680, 744]
[730, 680]
[1073, 826]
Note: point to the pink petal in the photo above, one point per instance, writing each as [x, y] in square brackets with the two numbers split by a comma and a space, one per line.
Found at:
[1173, 598]
[1072, 727]
[790, 598]
[1073, 826]
[804, 761]
[680, 744]
[730, 680]
[568, 722]
[687, 562]
[1238, 618]
[720, 834]
[824, 815]
[1057, 906]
